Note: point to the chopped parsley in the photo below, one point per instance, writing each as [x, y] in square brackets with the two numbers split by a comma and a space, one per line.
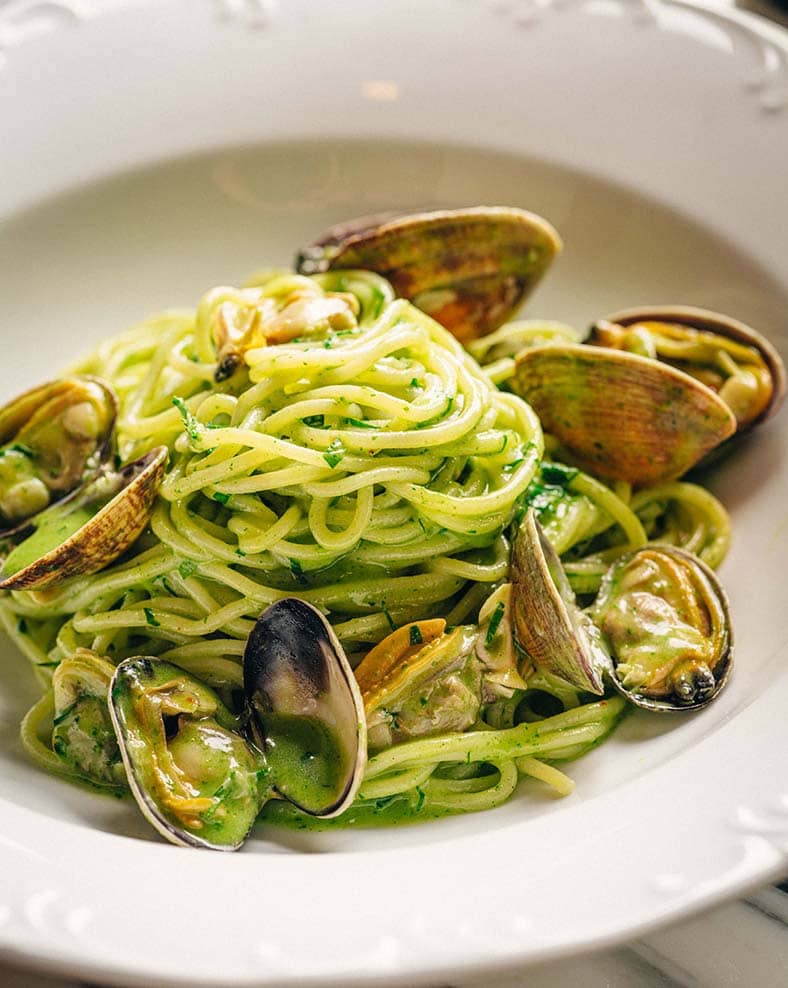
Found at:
[221, 498]
[21, 626]
[315, 421]
[334, 453]
[415, 635]
[186, 568]
[297, 571]
[557, 473]
[495, 621]
[420, 801]
[24, 450]
[190, 422]
[150, 618]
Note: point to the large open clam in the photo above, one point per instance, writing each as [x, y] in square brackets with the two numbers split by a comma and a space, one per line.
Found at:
[469, 269]
[200, 774]
[193, 775]
[666, 624]
[52, 438]
[723, 353]
[659, 629]
[658, 389]
[87, 531]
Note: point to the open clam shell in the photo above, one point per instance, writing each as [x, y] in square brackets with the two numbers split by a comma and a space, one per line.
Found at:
[740, 364]
[548, 624]
[52, 438]
[89, 530]
[469, 269]
[622, 416]
[666, 624]
[194, 777]
[305, 709]
[420, 681]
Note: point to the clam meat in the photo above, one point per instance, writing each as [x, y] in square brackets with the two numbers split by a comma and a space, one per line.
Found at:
[665, 621]
[421, 680]
[82, 734]
[193, 775]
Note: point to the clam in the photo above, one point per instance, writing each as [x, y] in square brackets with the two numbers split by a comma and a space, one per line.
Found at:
[664, 617]
[548, 624]
[82, 732]
[726, 355]
[469, 269]
[249, 318]
[52, 439]
[193, 775]
[622, 416]
[421, 680]
[87, 531]
[305, 709]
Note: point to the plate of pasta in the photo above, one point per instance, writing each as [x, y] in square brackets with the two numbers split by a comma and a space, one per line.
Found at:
[391, 502]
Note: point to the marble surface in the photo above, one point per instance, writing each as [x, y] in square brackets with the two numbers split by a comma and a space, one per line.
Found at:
[742, 944]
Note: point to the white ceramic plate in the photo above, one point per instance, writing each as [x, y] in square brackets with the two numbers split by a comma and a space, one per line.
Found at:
[153, 149]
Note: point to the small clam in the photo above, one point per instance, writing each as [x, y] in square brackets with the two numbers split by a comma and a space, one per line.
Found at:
[87, 531]
[193, 775]
[665, 621]
[469, 269]
[305, 709]
[726, 355]
[548, 624]
[622, 416]
[420, 681]
[51, 440]
[242, 320]
[82, 732]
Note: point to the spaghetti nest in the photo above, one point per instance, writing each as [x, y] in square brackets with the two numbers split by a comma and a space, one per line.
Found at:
[354, 454]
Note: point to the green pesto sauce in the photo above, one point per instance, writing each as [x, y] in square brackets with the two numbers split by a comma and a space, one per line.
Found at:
[50, 533]
[304, 758]
[400, 811]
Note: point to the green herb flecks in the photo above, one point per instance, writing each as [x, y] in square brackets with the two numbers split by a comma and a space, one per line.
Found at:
[334, 454]
[151, 618]
[187, 568]
[495, 621]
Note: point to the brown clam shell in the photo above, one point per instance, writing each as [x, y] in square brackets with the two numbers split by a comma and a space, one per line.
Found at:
[624, 417]
[469, 269]
[547, 622]
[108, 534]
[707, 321]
